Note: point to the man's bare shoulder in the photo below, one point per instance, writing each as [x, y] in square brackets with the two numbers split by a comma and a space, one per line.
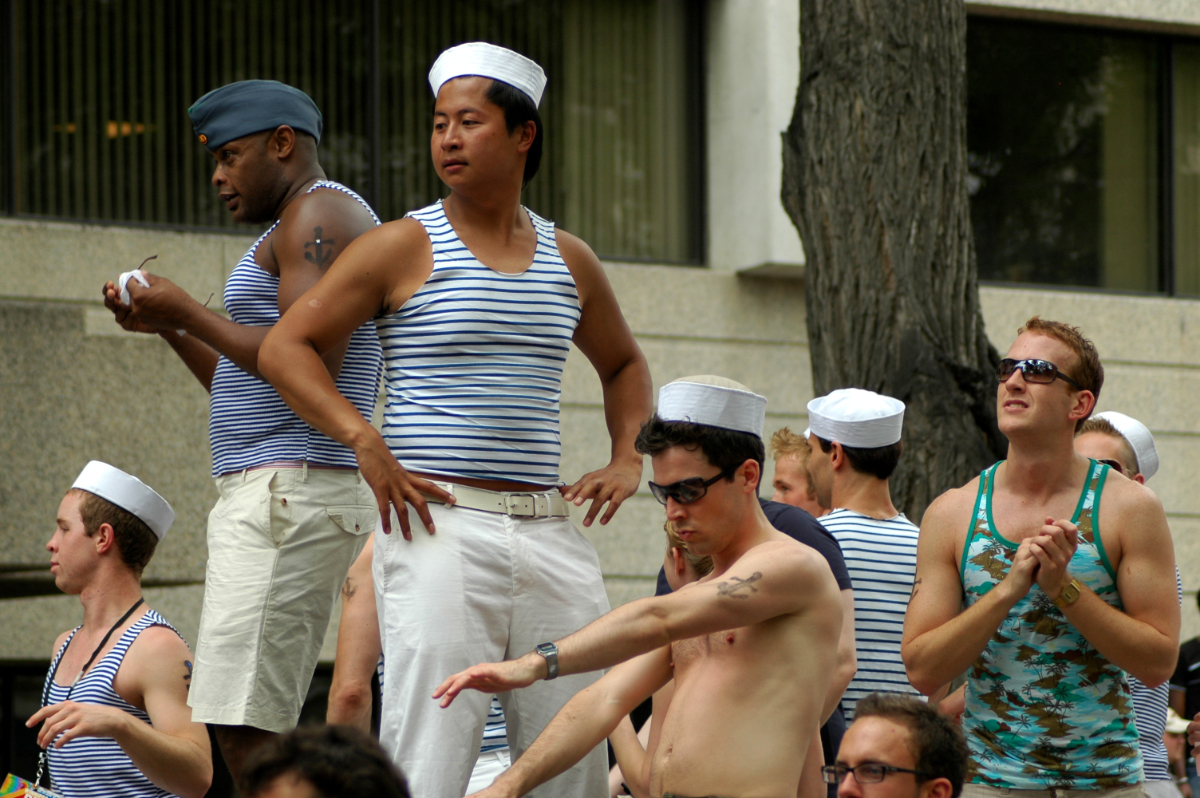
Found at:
[951, 512]
[332, 205]
[158, 644]
[58, 643]
[1128, 496]
[581, 261]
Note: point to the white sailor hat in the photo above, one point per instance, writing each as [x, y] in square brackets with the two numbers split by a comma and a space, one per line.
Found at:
[487, 60]
[127, 492]
[714, 402]
[1139, 438]
[857, 418]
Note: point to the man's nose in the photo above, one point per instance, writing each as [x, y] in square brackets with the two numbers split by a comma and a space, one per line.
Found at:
[849, 787]
[675, 510]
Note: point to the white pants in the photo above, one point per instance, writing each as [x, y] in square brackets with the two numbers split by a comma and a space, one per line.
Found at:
[489, 765]
[485, 588]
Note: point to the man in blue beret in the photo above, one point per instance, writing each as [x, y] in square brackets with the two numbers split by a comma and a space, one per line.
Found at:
[293, 511]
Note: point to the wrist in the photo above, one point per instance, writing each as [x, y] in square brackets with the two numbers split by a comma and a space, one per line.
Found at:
[536, 666]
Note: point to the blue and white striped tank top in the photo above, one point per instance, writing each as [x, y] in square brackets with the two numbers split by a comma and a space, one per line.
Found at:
[1150, 709]
[474, 362]
[96, 766]
[249, 424]
[495, 730]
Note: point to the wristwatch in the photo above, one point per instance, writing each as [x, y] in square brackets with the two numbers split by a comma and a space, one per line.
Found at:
[550, 652]
[1069, 594]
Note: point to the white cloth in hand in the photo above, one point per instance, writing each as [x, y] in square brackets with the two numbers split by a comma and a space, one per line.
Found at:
[123, 283]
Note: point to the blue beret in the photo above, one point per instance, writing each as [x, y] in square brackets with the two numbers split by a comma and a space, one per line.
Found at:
[250, 106]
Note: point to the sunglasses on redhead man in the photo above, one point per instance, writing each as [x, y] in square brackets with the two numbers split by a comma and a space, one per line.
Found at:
[686, 491]
[1042, 372]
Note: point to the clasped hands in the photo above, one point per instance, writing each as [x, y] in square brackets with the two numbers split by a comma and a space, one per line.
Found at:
[1043, 558]
[153, 309]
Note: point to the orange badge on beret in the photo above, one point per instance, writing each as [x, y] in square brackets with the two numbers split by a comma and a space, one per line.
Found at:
[203, 139]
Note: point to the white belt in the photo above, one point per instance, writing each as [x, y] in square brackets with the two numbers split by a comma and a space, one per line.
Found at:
[517, 504]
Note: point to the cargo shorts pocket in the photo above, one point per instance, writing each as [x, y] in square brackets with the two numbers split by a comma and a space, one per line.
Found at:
[357, 519]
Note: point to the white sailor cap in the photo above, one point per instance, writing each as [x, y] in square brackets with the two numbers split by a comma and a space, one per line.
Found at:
[713, 401]
[1139, 438]
[487, 60]
[127, 492]
[857, 418]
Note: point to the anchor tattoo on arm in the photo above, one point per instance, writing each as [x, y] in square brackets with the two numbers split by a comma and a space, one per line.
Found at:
[731, 588]
[322, 251]
[916, 587]
[187, 679]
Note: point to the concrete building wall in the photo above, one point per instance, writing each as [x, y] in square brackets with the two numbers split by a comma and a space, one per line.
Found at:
[75, 387]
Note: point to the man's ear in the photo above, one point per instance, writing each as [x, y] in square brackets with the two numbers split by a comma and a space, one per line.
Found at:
[1139, 478]
[528, 133]
[282, 141]
[680, 561]
[837, 456]
[752, 473]
[1085, 403]
[937, 788]
[104, 538]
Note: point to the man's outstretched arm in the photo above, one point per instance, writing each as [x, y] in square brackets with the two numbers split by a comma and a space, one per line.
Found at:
[590, 716]
[940, 639]
[773, 579]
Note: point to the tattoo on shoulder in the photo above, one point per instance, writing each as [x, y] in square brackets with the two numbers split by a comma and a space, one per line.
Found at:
[916, 587]
[348, 588]
[322, 252]
[735, 584]
[187, 679]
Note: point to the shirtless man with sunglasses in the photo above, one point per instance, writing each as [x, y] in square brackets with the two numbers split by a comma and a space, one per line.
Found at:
[1066, 568]
[750, 646]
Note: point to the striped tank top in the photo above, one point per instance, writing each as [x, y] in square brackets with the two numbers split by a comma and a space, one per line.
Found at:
[881, 557]
[1044, 710]
[474, 362]
[96, 766]
[1150, 708]
[249, 424]
[495, 730]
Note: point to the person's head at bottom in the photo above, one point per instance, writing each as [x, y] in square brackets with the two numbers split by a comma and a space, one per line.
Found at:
[899, 747]
[321, 762]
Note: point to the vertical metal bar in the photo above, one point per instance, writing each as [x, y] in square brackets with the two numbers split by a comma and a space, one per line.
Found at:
[697, 69]
[1166, 163]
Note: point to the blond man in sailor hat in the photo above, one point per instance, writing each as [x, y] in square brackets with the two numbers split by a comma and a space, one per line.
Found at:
[114, 707]
[854, 446]
[477, 301]
[750, 646]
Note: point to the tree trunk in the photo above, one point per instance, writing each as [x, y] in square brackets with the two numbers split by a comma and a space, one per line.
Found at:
[875, 180]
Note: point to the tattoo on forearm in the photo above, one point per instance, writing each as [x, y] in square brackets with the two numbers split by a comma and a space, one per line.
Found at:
[735, 584]
[187, 679]
[348, 588]
[916, 587]
[322, 250]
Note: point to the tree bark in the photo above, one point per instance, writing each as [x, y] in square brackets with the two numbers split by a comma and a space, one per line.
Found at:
[875, 180]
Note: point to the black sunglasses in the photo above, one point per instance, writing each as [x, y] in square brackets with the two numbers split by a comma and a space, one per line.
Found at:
[686, 491]
[1042, 372]
[1114, 465]
[869, 773]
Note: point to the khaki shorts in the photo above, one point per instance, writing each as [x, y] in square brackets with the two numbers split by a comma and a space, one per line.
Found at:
[280, 541]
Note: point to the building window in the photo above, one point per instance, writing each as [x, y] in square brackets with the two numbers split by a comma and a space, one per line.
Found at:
[95, 127]
[1078, 144]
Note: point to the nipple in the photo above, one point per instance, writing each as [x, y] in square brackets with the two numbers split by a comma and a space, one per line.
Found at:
[729, 638]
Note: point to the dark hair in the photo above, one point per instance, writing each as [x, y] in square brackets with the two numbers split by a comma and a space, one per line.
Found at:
[879, 462]
[134, 539]
[336, 760]
[937, 745]
[1089, 372]
[518, 109]
[724, 448]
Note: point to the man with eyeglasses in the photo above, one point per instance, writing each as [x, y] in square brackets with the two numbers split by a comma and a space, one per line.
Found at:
[899, 747]
[1065, 574]
[750, 646]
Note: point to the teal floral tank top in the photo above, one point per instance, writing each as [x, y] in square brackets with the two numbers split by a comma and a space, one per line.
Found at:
[1044, 710]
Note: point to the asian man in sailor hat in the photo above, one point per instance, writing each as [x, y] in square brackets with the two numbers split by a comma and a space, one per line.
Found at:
[477, 301]
[114, 714]
[854, 443]
[750, 646]
[272, 576]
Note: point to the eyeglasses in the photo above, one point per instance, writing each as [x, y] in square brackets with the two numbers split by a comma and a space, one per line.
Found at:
[686, 491]
[1042, 372]
[868, 773]
[1114, 465]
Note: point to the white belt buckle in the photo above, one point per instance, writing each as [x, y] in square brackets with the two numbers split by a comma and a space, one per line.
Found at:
[521, 505]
